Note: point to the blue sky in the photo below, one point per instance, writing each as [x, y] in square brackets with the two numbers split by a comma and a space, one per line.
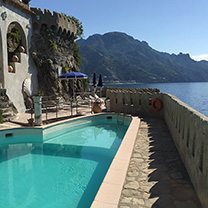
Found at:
[171, 26]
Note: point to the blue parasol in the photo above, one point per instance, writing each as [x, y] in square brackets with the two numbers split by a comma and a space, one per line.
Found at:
[73, 76]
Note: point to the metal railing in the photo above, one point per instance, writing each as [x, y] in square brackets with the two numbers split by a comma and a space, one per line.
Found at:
[50, 104]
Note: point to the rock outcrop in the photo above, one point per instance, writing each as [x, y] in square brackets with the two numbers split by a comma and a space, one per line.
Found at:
[53, 55]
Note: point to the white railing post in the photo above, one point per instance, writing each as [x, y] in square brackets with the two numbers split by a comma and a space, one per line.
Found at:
[37, 110]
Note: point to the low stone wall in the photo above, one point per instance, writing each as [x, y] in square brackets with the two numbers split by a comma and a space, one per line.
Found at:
[188, 128]
[134, 101]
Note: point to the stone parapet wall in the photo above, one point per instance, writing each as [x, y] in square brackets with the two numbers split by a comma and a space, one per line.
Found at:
[56, 21]
[137, 101]
[189, 130]
[19, 5]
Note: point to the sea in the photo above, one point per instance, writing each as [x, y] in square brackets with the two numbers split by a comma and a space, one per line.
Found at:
[194, 94]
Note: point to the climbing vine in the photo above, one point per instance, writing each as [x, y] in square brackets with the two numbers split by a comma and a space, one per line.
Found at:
[53, 45]
[76, 54]
[66, 68]
[15, 35]
[79, 34]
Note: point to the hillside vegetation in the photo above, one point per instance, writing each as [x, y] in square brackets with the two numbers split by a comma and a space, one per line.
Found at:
[119, 57]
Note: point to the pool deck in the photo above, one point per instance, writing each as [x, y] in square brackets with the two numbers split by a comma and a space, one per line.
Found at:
[146, 172]
[21, 120]
[155, 175]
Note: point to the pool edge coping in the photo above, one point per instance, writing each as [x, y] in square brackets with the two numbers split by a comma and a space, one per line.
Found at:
[109, 193]
[57, 122]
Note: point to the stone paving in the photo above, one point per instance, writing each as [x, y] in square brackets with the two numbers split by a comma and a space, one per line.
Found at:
[21, 120]
[156, 176]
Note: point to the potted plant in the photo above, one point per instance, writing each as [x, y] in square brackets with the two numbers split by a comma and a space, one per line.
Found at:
[97, 105]
[15, 58]
[21, 49]
[10, 68]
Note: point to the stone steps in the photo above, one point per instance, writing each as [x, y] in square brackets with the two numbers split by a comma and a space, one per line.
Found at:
[3, 99]
[6, 106]
[8, 113]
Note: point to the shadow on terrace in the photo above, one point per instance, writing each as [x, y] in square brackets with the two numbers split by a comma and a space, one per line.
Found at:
[173, 187]
[156, 177]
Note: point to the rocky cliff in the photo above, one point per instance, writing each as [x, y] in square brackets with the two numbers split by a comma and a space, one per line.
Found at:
[53, 54]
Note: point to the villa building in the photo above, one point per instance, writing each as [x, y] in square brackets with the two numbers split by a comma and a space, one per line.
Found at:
[18, 22]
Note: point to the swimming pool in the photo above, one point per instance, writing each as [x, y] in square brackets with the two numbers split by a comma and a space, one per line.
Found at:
[60, 166]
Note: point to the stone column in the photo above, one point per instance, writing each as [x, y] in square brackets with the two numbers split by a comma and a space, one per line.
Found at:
[37, 110]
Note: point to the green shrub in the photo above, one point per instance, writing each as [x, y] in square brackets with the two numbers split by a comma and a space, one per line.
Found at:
[15, 34]
[40, 93]
[76, 54]
[53, 45]
[85, 83]
[66, 68]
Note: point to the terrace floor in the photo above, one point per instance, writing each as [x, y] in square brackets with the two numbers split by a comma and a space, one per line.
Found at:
[156, 176]
[21, 120]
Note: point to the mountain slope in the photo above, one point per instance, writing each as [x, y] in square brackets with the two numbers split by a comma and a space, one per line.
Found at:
[119, 57]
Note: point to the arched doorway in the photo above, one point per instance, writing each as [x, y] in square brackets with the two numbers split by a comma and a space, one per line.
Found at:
[16, 42]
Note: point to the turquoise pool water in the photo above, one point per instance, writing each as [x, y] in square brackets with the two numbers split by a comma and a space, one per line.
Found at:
[65, 170]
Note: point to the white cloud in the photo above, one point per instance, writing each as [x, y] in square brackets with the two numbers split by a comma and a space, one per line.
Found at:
[200, 57]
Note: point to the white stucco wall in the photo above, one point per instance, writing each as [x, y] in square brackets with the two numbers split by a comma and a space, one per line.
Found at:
[13, 82]
[1, 62]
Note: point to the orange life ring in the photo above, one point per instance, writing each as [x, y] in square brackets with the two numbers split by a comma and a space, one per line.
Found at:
[159, 104]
